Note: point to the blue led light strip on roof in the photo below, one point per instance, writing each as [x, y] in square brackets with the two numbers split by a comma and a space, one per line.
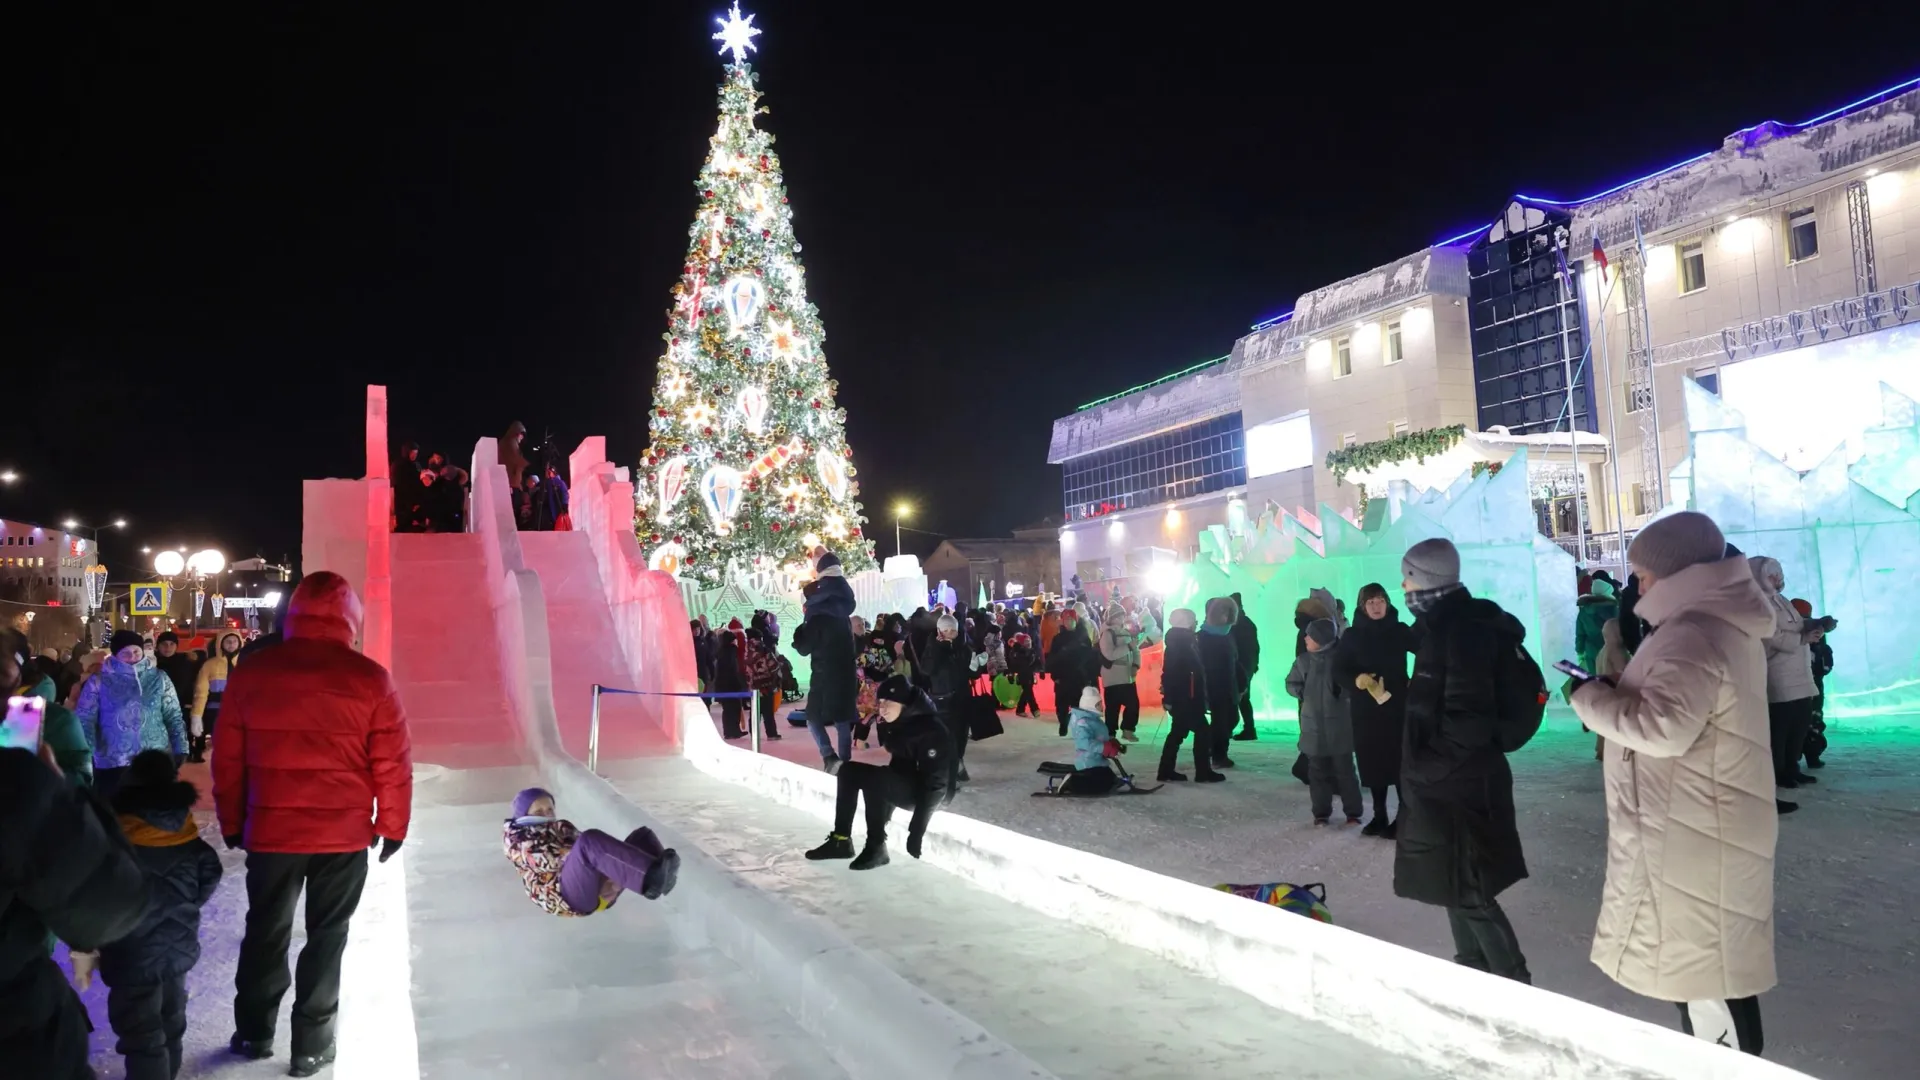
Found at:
[1275, 321]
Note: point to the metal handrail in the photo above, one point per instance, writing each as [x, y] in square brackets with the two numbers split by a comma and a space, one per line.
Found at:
[593, 726]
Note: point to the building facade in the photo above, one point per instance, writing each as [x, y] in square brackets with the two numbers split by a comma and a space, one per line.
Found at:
[1780, 270]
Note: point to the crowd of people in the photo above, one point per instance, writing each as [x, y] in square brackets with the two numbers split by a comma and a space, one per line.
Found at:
[311, 766]
[1703, 684]
[430, 493]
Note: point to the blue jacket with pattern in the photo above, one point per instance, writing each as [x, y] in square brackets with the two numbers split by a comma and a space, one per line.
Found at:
[126, 709]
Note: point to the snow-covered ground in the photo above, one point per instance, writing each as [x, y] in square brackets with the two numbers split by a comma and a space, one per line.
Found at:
[1849, 865]
[1075, 1003]
[497, 986]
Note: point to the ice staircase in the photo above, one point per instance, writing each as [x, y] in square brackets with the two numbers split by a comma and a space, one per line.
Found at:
[586, 651]
[445, 662]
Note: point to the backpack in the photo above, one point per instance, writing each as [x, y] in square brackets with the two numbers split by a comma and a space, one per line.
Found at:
[1519, 693]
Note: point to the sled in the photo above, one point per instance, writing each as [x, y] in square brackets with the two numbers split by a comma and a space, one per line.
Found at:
[1058, 772]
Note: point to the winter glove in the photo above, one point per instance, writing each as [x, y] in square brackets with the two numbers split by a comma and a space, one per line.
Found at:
[83, 965]
[388, 847]
[193, 727]
[233, 842]
[913, 844]
[1112, 748]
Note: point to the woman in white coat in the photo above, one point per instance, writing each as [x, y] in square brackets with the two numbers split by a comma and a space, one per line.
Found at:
[1793, 698]
[1687, 911]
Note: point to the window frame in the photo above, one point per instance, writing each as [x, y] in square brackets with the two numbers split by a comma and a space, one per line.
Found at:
[1398, 428]
[1796, 218]
[1393, 348]
[1681, 251]
[1343, 357]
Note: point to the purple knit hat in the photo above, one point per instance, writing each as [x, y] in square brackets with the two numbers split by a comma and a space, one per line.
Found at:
[525, 800]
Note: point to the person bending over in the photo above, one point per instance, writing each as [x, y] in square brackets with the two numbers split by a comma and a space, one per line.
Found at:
[920, 778]
[573, 873]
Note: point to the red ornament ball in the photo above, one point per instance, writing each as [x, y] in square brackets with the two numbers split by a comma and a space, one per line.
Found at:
[656, 538]
[766, 234]
[775, 526]
[729, 221]
[662, 412]
[846, 451]
[708, 432]
[816, 403]
[688, 560]
[746, 352]
[709, 195]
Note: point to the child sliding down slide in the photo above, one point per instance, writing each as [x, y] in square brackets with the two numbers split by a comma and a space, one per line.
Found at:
[573, 873]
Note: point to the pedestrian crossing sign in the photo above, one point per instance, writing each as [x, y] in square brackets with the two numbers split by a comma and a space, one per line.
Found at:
[150, 599]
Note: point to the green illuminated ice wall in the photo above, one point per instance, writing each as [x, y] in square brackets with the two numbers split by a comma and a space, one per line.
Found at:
[1275, 566]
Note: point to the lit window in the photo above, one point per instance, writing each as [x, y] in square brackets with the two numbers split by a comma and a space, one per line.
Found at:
[1343, 358]
[1349, 439]
[1693, 267]
[1399, 428]
[1396, 351]
[1279, 446]
[1803, 235]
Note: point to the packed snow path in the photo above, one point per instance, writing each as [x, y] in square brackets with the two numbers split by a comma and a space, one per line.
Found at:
[1847, 933]
[1076, 1003]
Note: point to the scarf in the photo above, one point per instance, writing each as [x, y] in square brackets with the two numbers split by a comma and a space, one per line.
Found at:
[1421, 601]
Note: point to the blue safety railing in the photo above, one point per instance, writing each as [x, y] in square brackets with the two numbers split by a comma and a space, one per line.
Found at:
[593, 728]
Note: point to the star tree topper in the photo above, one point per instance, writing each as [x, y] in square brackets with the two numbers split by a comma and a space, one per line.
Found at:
[736, 34]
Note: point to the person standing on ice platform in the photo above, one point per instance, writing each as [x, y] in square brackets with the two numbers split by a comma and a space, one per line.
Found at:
[825, 636]
[919, 777]
[1687, 911]
[1456, 843]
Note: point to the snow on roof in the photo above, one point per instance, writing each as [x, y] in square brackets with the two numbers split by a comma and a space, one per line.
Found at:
[1751, 165]
[1441, 270]
[1203, 395]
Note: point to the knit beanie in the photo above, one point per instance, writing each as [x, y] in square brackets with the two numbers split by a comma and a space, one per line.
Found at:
[1090, 699]
[828, 565]
[167, 635]
[897, 689]
[123, 638]
[1322, 632]
[1676, 542]
[525, 800]
[1431, 564]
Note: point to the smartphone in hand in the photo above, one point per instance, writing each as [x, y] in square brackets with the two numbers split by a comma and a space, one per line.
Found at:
[1578, 673]
[26, 717]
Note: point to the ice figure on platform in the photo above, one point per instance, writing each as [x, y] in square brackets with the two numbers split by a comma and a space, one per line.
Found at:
[1846, 533]
[1489, 517]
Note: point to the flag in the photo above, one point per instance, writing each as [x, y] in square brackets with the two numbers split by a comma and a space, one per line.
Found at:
[1599, 257]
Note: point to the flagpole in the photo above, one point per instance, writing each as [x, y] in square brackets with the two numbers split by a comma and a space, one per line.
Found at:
[1566, 360]
[1606, 376]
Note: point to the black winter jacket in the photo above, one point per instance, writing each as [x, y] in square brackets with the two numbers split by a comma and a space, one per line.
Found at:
[1183, 675]
[63, 867]
[1458, 843]
[181, 871]
[181, 671]
[1376, 647]
[1246, 642]
[1225, 675]
[921, 749]
[826, 638]
[947, 667]
[1072, 661]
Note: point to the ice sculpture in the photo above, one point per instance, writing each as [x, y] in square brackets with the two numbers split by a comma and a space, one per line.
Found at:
[1490, 517]
[1847, 536]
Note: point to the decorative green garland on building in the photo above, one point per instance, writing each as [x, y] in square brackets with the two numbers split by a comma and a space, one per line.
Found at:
[1415, 445]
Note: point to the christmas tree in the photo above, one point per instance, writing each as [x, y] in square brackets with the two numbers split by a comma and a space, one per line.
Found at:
[748, 466]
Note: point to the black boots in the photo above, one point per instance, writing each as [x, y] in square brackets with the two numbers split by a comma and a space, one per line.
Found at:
[872, 856]
[251, 1049]
[311, 1064]
[836, 847]
[841, 847]
[662, 876]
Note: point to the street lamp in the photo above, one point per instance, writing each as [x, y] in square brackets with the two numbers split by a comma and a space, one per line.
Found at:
[8, 476]
[146, 550]
[93, 531]
[901, 510]
[169, 563]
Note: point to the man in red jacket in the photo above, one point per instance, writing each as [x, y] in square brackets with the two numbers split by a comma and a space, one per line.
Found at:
[311, 766]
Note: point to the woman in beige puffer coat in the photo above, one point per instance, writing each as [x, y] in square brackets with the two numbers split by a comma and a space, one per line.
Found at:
[1792, 695]
[1687, 911]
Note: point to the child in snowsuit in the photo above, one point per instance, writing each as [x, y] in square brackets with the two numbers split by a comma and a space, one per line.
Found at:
[1326, 731]
[569, 872]
[1092, 745]
[146, 971]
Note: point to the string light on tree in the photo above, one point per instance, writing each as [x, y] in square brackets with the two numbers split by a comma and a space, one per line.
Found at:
[747, 447]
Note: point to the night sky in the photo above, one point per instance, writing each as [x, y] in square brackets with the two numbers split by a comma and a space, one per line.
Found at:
[221, 223]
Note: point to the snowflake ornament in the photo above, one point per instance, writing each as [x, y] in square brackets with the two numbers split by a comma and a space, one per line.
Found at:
[736, 34]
